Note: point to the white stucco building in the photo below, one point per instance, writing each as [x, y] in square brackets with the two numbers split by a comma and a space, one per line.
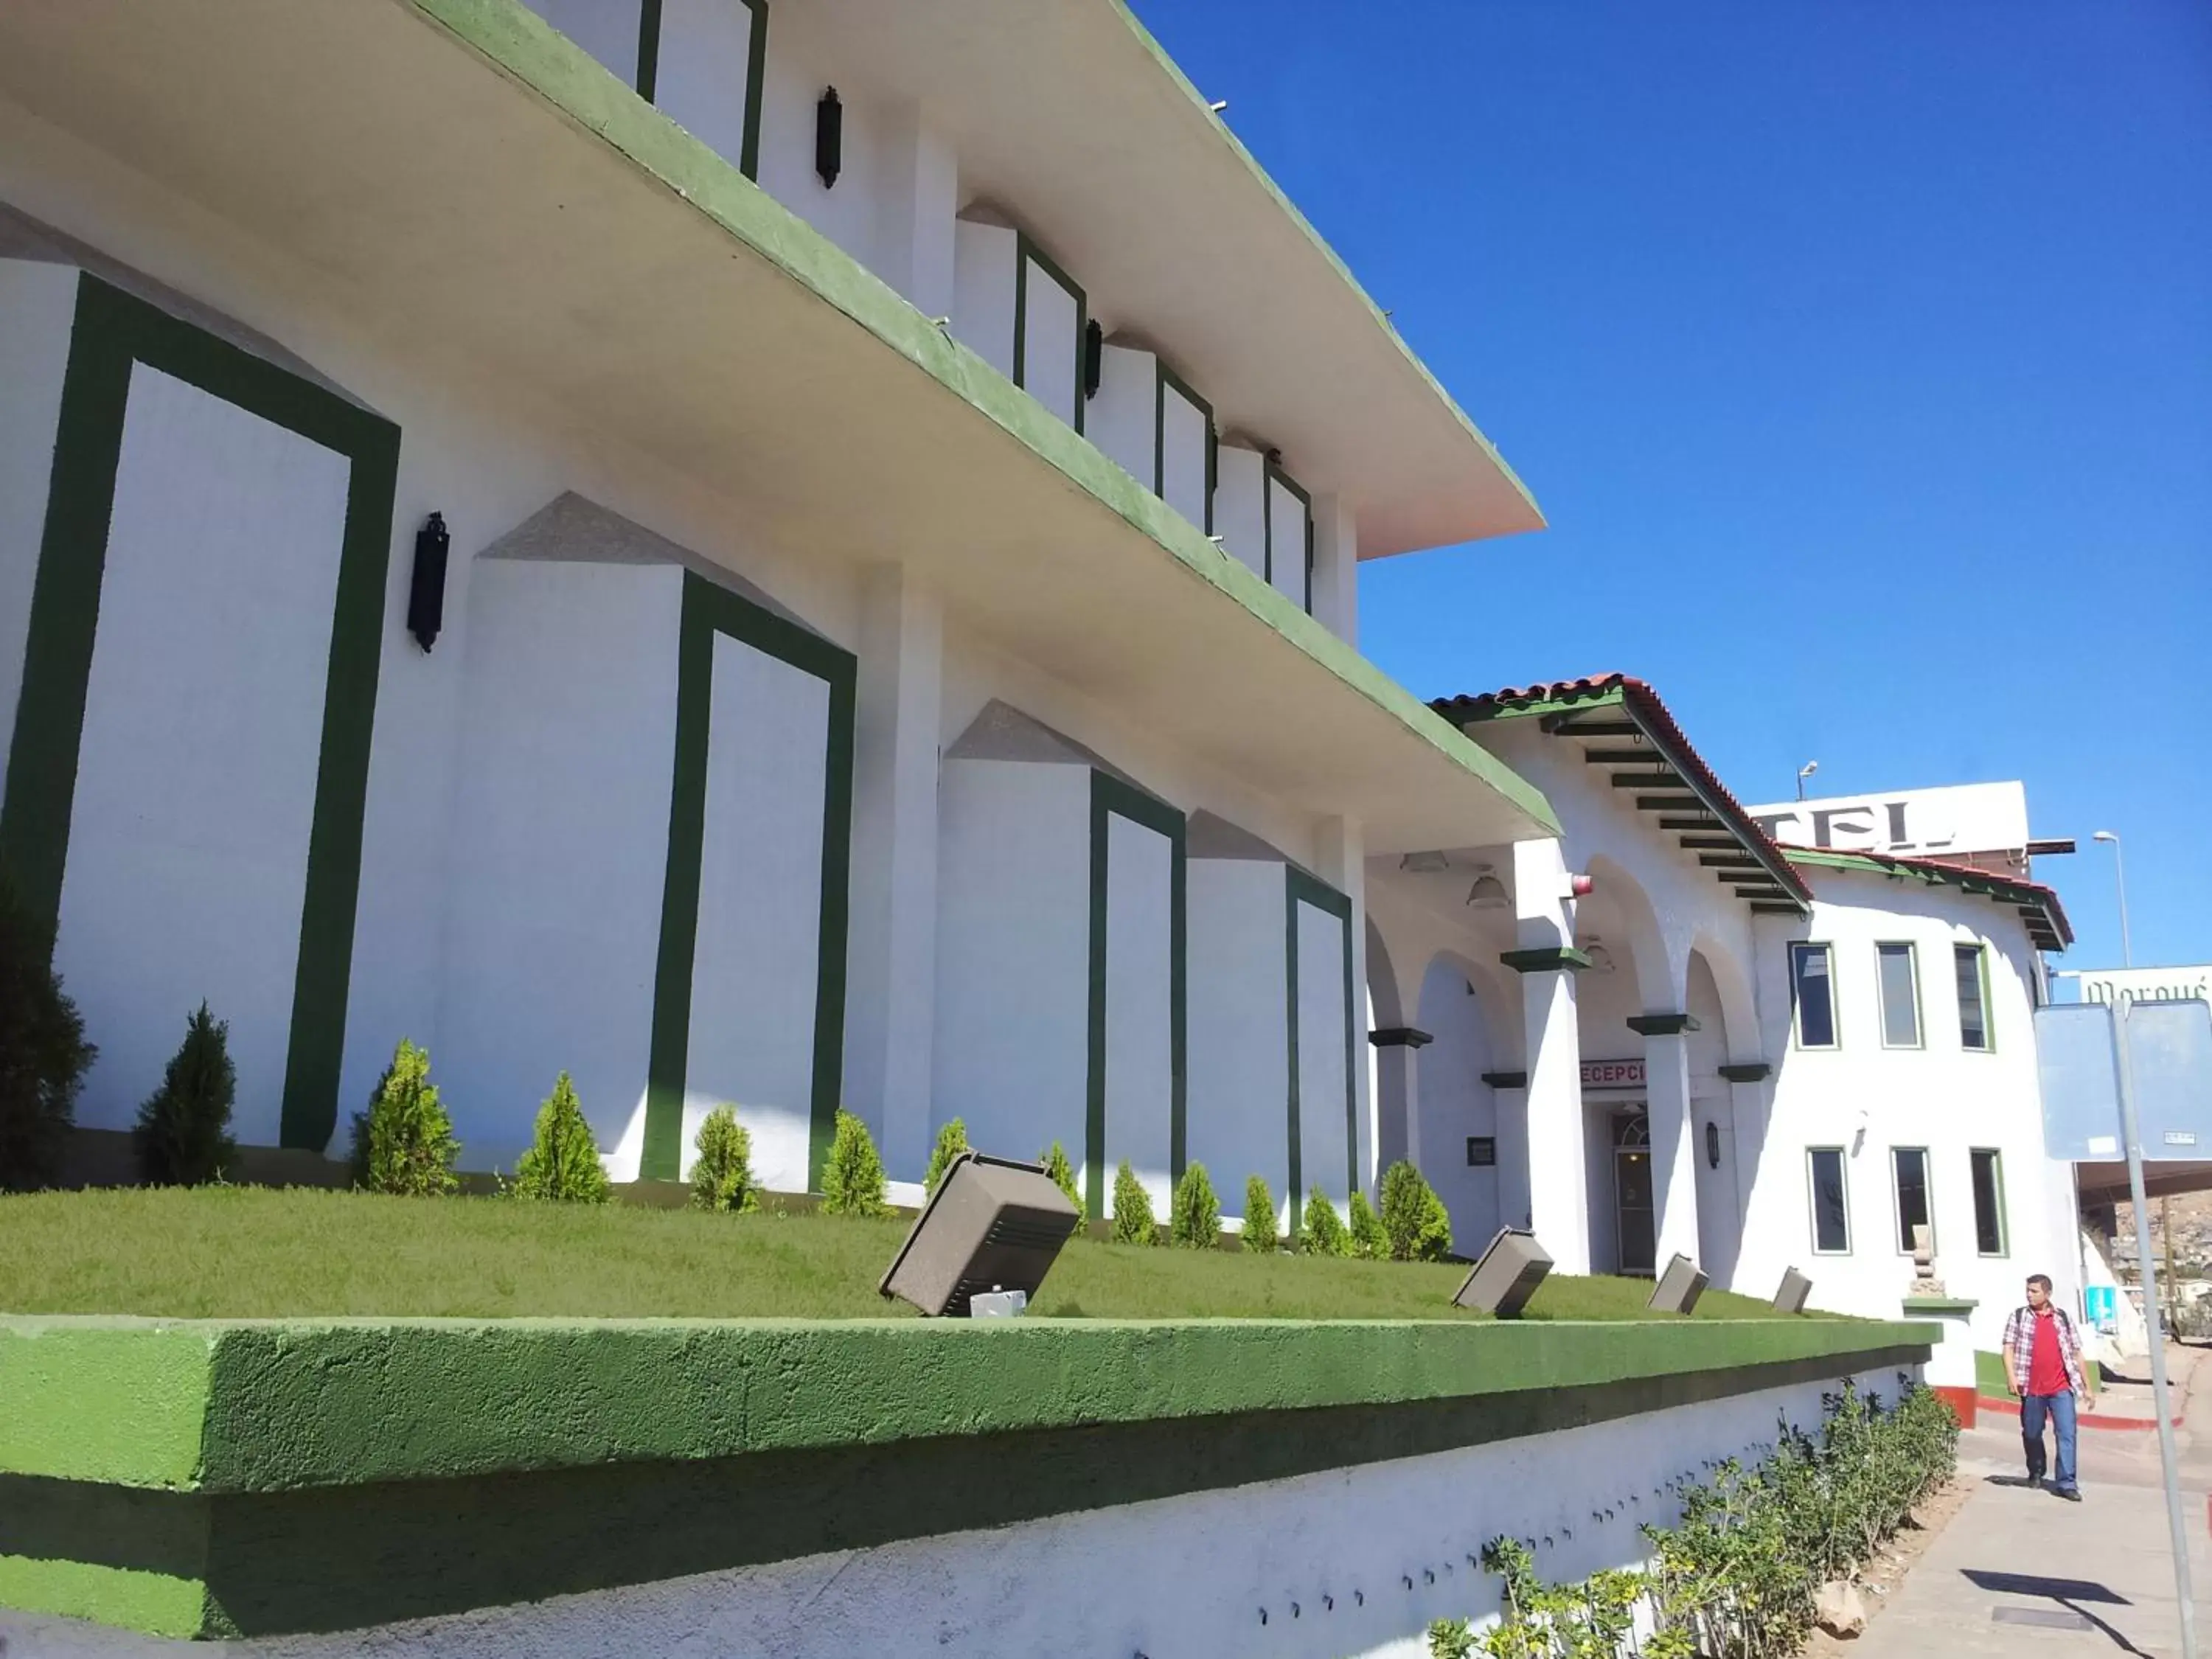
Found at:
[903, 472]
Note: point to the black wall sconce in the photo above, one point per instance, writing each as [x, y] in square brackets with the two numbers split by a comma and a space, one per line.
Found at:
[1094, 357]
[1713, 1144]
[426, 594]
[828, 138]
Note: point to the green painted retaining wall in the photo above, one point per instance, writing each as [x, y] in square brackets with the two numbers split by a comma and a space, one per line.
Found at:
[212, 1479]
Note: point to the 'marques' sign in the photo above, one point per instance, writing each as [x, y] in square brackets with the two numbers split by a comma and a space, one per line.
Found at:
[2146, 985]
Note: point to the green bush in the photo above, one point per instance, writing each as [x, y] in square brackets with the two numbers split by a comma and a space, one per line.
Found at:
[1133, 1222]
[1739, 1574]
[1194, 1217]
[43, 1053]
[1364, 1231]
[722, 1173]
[1320, 1229]
[1259, 1215]
[403, 1143]
[853, 1180]
[182, 1138]
[563, 1163]
[1056, 1165]
[951, 1141]
[1414, 1219]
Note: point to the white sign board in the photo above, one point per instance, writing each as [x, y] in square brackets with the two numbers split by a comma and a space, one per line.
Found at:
[1928, 823]
[2146, 985]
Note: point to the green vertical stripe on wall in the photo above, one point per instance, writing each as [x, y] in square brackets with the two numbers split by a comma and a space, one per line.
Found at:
[755, 74]
[1111, 797]
[1301, 888]
[1291, 1042]
[708, 610]
[648, 48]
[112, 331]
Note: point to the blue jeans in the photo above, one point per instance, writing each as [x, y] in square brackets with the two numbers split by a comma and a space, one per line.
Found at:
[2060, 1407]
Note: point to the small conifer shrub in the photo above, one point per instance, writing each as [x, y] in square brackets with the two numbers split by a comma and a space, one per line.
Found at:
[182, 1138]
[403, 1143]
[43, 1053]
[722, 1173]
[1133, 1222]
[1368, 1240]
[563, 1162]
[1063, 1174]
[1414, 1218]
[1259, 1215]
[1194, 1216]
[1320, 1229]
[951, 1141]
[853, 1180]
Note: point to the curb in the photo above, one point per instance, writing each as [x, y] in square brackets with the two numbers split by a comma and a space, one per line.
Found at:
[2082, 1419]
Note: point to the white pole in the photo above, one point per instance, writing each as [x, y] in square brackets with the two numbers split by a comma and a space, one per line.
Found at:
[2120, 875]
[2132, 1137]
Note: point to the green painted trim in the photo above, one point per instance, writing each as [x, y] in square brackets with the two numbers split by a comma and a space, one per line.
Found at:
[1506, 1079]
[1756, 1070]
[1025, 251]
[111, 331]
[648, 48]
[346, 1556]
[2024, 894]
[708, 610]
[1547, 707]
[1549, 959]
[755, 80]
[1270, 473]
[1301, 888]
[1938, 1304]
[1919, 1009]
[280, 1405]
[1112, 797]
[1663, 1024]
[1162, 379]
[1812, 1205]
[522, 46]
[2004, 1217]
[1835, 1002]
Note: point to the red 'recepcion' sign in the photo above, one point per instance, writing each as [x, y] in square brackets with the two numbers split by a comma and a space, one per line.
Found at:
[1613, 1074]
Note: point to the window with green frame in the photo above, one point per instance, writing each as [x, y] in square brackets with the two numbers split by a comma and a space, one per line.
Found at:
[1990, 1237]
[1971, 969]
[1898, 976]
[1813, 994]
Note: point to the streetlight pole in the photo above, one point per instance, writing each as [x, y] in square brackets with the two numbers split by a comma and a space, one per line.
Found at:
[2120, 875]
[1803, 773]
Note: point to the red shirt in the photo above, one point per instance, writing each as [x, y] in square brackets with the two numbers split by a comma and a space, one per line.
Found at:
[2046, 1368]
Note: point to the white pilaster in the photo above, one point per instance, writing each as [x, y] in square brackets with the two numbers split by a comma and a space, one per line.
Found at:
[1341, 846]
[891, 1012]
[1558, 1193]
[1336, 568]
[1514, 1209]
[921, 199]
[1674, 1173]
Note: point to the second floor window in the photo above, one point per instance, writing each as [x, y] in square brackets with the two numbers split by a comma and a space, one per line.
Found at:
[1900, 996]
[1813, 996]
[1970, 965]
[1989, 1200]
[1915, 1207]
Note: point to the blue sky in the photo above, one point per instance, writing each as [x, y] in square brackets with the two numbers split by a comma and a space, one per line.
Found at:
[1860, 356]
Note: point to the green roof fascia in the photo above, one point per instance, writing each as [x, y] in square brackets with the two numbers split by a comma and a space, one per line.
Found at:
[522, 46]
[1969, 881]
[274, 1405]
[1290, 208]
[1573, 705]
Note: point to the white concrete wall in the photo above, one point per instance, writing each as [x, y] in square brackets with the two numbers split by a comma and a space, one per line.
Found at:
[1324, 1146]
[755, 963]
[36, 305]
[1367, 1556]
[608, 29]
[1139, 1010]
[1013, 932]
[1286, 544]
[1869, 1099]
[202, 746]
[984, 256]
[700, 73]
[1239, 498]
[1123, 417]
[559, 834]
[1237, 1125]
[1051, 344]
[1183, 447]
[1456, 1103]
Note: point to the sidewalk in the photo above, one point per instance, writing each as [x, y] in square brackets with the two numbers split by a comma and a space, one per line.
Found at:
[2020, 1572]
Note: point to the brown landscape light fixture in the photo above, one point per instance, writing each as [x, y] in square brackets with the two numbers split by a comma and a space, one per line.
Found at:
[1679, 1287]
[992, 1224]
[1795, 1288]
[1507, 1275]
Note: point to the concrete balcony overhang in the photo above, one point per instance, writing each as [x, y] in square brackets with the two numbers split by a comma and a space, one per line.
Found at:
[454, 174]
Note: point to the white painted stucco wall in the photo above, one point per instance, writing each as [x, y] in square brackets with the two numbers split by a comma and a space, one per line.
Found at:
[1239, 1029]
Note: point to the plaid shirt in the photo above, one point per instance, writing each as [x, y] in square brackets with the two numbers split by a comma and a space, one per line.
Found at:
[2019, 1348]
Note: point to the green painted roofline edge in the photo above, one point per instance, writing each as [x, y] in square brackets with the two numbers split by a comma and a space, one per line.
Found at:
[1937, 873]
[219, 1406]
[522, 46]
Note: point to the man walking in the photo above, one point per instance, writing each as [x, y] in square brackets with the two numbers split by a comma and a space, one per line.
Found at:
[2043, 1366]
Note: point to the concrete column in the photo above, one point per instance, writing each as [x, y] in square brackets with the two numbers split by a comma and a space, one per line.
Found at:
[1336, 568]
[1340, 844]
[921, 199]
[1673, 1169]
[892, 983]
[1397, 1098]
[1558, 1189]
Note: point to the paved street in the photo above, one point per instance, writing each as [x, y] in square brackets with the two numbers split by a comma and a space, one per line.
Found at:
[2020, 1572]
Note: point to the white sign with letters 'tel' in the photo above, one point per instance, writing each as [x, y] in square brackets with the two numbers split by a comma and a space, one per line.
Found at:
[1928, 823]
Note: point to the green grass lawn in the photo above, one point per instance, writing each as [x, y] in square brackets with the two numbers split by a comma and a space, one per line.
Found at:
[264, 1252]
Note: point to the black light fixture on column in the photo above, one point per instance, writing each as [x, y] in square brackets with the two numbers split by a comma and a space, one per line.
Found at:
[426, 592]
[828, 138]
[1094, 357]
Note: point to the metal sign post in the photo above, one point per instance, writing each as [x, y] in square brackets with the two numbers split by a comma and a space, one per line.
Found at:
[2132, 1140]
